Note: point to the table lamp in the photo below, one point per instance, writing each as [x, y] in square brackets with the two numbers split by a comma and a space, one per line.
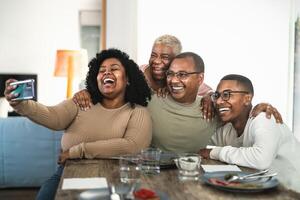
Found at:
[70, 63]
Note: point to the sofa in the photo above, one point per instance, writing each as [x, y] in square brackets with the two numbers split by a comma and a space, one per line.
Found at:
[28, 152]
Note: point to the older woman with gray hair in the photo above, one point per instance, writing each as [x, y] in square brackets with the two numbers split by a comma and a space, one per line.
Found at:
[164, 49]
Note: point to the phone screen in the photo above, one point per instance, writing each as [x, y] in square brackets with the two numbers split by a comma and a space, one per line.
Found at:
[25, 89]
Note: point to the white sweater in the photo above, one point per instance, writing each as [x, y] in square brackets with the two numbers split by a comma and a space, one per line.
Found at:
[263, 144]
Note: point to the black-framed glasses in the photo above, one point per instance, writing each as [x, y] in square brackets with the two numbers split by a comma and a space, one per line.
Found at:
[180, 75]
[225, 95]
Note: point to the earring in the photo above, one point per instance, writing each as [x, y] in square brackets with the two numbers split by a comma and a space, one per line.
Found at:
[128, 83]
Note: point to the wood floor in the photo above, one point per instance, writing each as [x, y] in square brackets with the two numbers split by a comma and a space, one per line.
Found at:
[18, 194]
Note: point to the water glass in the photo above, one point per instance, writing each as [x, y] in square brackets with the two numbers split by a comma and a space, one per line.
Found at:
[150, 160]
[129, 169]
[188, 165]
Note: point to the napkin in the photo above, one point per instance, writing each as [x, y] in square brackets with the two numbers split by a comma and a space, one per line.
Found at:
[210, 146]
[84, 183]
[217, 168]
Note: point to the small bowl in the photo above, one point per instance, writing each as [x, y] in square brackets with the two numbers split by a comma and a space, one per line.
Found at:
[188, 162]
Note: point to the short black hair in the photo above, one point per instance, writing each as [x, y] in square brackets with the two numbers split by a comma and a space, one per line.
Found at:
[137, 89]
[199, 64]
[244, 81]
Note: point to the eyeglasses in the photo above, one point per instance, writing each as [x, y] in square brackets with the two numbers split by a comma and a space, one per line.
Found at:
[180, 75]
[225, 95]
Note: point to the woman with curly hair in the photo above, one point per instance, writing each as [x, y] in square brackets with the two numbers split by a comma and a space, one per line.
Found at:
[117, 123]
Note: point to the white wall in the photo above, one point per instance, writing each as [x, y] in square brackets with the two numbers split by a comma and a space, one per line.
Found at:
[249, 37]
[90, 4]
[121, 22]
[30, 33]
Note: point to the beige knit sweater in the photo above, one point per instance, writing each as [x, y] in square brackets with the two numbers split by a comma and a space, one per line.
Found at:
[97, 132]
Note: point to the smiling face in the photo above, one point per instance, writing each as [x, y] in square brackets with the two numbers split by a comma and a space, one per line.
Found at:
[159, 61]
[112, 79]
[184, 90]
[236, 106]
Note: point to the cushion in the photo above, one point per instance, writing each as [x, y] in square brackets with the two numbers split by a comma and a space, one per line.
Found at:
[28, 152]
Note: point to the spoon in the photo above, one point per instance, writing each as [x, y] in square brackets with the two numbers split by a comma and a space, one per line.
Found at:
[237, 177]
[129, 195]
[114, 195]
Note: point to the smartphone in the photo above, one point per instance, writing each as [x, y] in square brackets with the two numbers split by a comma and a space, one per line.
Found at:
[24, 89]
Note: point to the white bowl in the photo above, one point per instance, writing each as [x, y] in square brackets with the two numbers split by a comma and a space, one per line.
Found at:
[189, 163]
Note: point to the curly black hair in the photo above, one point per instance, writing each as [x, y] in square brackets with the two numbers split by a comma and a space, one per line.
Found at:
[137, 91]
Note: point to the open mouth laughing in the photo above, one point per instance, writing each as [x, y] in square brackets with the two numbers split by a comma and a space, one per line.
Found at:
[223, 110]
[176, 89]
[108, 81]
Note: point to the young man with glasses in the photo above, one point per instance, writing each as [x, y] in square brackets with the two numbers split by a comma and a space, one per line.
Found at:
[258, 142]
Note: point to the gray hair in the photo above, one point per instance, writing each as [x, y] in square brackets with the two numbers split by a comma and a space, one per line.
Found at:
[171, 41]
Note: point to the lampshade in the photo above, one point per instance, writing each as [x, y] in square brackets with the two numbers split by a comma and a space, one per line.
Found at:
[71, 63]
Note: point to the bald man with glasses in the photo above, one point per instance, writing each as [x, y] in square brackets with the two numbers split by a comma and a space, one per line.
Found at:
[178, 124]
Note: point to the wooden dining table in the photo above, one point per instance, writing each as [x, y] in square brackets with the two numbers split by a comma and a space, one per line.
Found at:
[166, 182]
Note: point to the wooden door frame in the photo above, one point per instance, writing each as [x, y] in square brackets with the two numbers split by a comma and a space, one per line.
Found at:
[103, 25]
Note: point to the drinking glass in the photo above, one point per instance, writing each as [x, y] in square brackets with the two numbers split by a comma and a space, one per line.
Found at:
[129, 169]
[150, 160]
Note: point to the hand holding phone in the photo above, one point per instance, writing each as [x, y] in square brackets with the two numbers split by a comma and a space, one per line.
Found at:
[23, 89]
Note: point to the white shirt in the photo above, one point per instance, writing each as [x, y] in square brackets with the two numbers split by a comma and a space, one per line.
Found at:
[263, 144]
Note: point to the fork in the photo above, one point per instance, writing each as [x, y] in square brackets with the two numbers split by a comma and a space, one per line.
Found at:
[237, 177]
[129, 195]
[261, 176]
